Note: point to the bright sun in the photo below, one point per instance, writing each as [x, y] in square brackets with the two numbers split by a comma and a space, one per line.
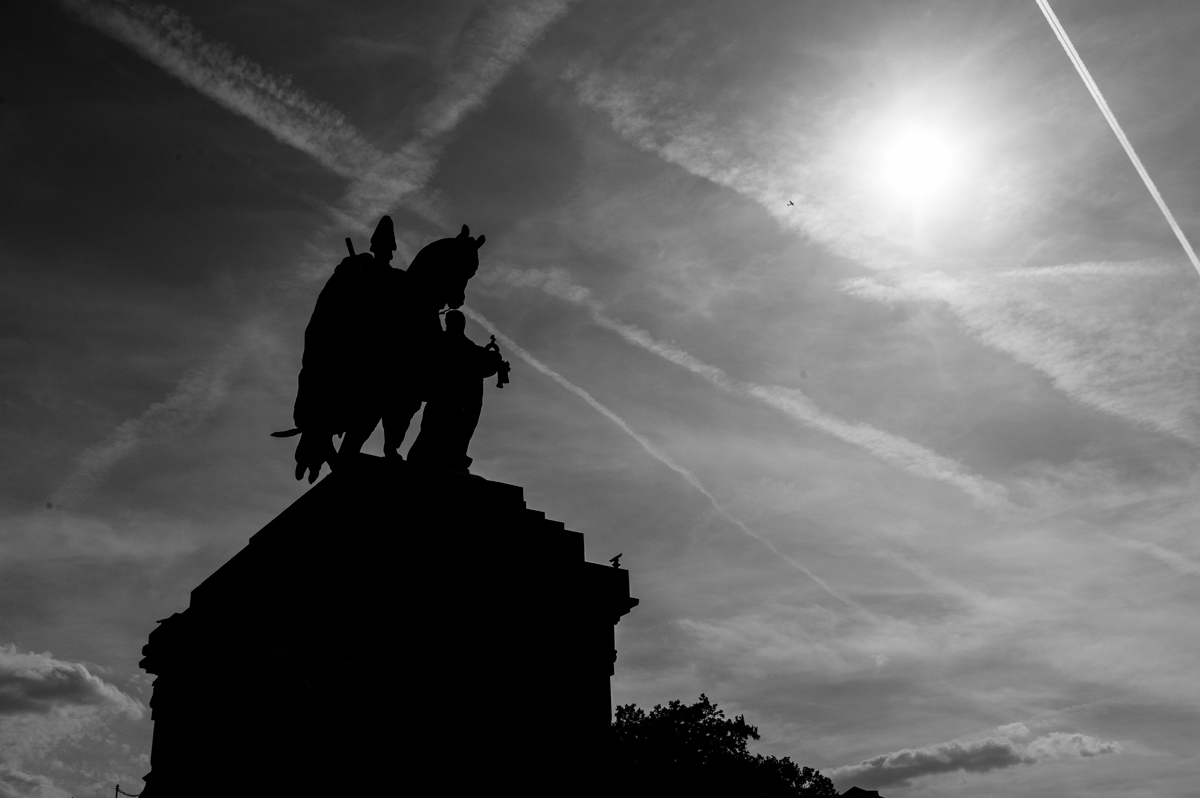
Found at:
[916, 162]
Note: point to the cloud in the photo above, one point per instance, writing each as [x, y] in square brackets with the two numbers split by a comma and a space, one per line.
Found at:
[378, 180]
[16, 783]
[71, 538]
[1172, 559]
[39, 684]
[169, 40]
[654, 452]
[649, 115]
[899, 768]
[49, 707]
[493, 45]
[197, 396]
[892, 449]
[1117, 337]
[1111, 118]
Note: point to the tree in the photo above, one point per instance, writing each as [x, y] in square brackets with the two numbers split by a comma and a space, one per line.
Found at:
[695, 750]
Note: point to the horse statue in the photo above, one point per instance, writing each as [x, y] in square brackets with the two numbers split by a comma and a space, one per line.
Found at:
[371, 346]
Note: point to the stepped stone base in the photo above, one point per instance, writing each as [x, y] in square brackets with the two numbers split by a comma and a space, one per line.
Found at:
[392, 631]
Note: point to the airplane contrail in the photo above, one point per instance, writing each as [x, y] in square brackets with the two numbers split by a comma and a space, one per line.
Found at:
[656, 453]
[892, 449]
[1073, 54]
[498, 40]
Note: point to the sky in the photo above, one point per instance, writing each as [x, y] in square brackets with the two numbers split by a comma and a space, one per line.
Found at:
[849, 324]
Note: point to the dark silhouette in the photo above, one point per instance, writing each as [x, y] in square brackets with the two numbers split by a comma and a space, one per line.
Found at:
[437, 278]
[342, 388]
[393, 627]
[505, 366]
[455, 397]
[695, 750]
[372, 343]
[616, 561]
[859, 792]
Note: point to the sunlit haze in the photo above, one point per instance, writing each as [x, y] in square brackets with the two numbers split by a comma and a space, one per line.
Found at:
[848, 324]
[917, 161]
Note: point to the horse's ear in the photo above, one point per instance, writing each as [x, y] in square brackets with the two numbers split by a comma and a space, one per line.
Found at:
[466, 232]
[479, 241]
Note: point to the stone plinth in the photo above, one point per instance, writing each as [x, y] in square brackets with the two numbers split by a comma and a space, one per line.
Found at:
[390, 630]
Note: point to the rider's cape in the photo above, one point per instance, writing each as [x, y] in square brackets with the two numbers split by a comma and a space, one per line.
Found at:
[349, 368]
[374, 337]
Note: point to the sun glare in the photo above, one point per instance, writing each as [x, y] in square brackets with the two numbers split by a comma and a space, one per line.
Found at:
[915, 162]
[918, 162]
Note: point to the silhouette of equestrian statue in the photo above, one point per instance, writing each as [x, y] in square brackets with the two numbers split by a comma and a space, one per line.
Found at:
[375, 350]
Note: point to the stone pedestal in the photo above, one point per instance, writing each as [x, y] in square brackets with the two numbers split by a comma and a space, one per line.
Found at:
[396, 632]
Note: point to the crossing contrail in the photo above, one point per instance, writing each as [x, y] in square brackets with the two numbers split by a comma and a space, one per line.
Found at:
[1073, 54]
[657, 454]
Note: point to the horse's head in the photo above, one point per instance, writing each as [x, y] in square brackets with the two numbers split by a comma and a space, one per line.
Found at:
[442, 269]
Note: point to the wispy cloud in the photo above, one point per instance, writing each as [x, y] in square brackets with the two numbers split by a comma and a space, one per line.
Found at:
[654, 452]
[495, 43]
[900, 768]
[1111, 118]
[892, 449]
[197, 395]
[1089, 327]
[16, 783]
[169, 40]
[378, 180]
[802, 192]
[1172, 559]
[1136, 364]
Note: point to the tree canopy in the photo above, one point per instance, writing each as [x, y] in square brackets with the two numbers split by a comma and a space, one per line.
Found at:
[695, 749]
